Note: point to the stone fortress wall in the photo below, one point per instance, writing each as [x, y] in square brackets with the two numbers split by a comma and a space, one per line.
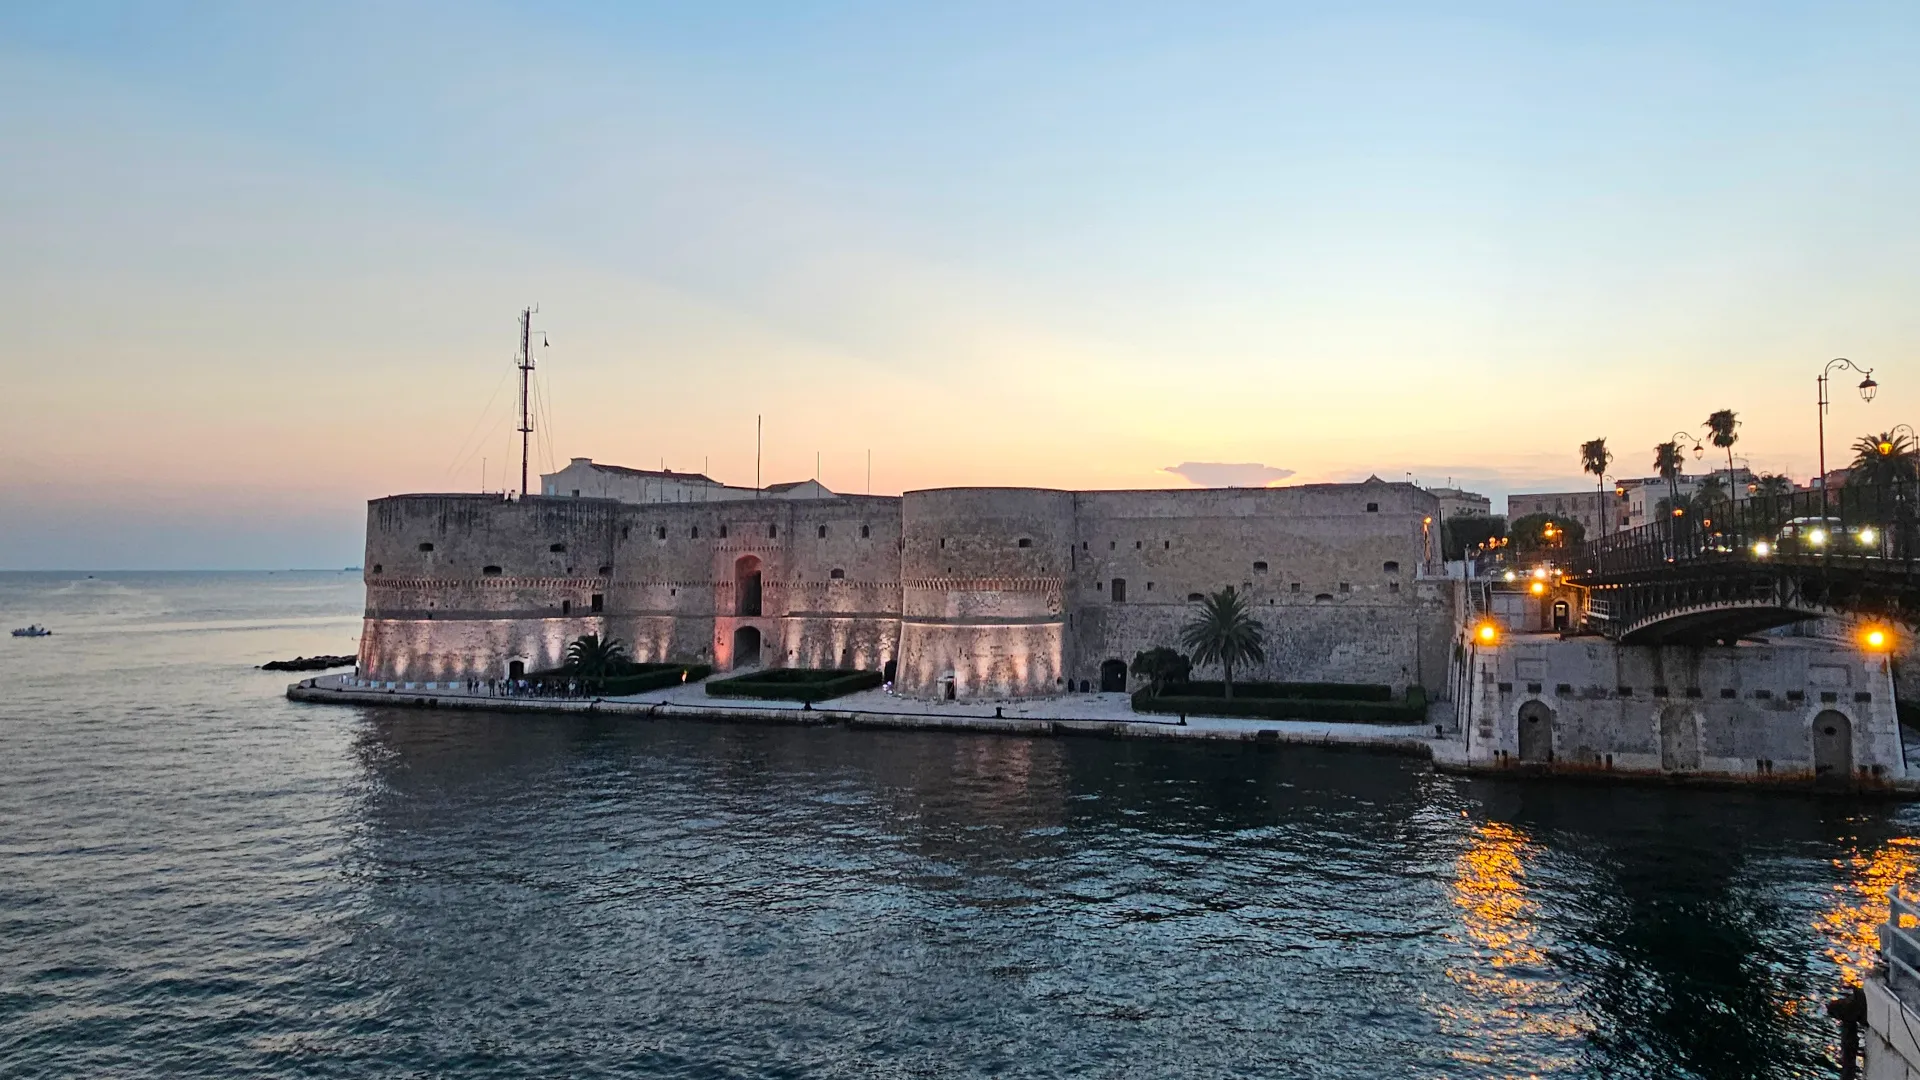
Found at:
[969, 592]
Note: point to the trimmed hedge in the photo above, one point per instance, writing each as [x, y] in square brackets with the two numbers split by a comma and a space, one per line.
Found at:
[795, 684]
[653, 677]
[1308, 691]
[636, 679]
[1348, 711]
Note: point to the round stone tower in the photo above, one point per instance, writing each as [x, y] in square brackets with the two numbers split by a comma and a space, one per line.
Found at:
[981, 574]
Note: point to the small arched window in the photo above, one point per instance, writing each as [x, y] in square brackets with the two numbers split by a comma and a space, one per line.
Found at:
[723, 532]
[1259, 567]
[1323, 596]
[836, 574]
[823, 532]
[606, 571]
[378, 569]
[490, 571]
[1194, 598]
[1373, 508]
[1026, 542]
[773, 532]
[660, 532]
[1390, 566]
[557, 549]
[694, 533]
[865, 532]
[426, 547]
[624, 529]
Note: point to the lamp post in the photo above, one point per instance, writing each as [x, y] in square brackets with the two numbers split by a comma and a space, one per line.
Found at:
[1867, 388]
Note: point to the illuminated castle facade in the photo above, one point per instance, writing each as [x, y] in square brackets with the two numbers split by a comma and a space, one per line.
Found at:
[956, 592]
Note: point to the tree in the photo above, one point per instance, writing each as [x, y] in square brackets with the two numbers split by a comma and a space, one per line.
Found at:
[1720, 427]
[1223, 631]
[1464, 532]
[1710, 495]
[1594, 459]
[1668, 462]
[1887, 458]
[594, 657]
[1161, 667]
[1772, 486]
[1537, 532]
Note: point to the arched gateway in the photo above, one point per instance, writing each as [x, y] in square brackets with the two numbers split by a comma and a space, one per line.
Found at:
[746, 647]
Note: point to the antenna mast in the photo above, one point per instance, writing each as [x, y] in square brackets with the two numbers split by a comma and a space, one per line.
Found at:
[526, 409]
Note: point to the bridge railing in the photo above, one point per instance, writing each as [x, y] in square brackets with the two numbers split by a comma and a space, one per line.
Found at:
[1864, 525]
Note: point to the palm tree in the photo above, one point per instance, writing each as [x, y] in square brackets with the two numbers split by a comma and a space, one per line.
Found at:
[1594, 458]
[1886, 458]
[1772, 486]
[1668, 462]
[591, 656]
[1710, 494]
[1223, 631]
[1720, 425]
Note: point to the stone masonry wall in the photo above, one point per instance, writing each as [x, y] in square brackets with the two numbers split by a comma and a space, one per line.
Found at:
[989, 591]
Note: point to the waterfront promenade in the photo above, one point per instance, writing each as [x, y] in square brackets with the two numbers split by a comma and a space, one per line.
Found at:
[1071, 714]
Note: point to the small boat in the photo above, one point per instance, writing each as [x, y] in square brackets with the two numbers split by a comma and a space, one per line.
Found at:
[36, 630]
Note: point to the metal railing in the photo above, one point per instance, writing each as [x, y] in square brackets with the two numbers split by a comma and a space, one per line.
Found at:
[1900, 947]
[1867, 526]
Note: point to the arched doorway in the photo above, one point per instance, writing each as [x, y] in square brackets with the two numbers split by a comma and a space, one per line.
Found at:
[1536, 733]
[746, 589]
[746, 647]
[516, 669]
[1562, 616]
[1113, 677]
[888, 670]
[1832, 747]
[1679, 739]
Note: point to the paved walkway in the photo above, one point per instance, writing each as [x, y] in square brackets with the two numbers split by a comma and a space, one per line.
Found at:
[1102, 714]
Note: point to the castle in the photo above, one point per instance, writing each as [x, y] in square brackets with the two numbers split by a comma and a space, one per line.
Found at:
[954, 592]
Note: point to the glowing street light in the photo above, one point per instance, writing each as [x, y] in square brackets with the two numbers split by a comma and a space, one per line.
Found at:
[1486, 633]
[1867, 389]
[1877, 639]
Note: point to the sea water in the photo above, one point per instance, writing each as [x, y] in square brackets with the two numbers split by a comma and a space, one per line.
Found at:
[201, 878]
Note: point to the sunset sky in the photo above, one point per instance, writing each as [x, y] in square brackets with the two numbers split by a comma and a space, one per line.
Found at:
[261, 262]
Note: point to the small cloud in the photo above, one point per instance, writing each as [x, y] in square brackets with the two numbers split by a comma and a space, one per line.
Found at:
[1228, 474]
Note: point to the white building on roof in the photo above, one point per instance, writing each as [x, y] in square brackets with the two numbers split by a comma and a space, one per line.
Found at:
[584, 478]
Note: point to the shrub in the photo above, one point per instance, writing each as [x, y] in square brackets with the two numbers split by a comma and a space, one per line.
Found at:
[630, 678]
[1350, 710]
[795, 684]
[652, 677]
[1311, 691]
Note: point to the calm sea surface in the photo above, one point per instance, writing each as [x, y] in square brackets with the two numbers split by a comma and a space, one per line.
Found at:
[200, 878]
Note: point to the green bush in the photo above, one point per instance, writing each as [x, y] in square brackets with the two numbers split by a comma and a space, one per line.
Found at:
[795, 684]
[651, 677]
[1347, 710]
[1307, 691]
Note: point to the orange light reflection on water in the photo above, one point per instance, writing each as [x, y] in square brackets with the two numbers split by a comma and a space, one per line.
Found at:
[1512, 993]
[1860, 904]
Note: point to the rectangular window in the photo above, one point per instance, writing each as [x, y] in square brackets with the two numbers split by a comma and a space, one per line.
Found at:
[1119, 593]
[599, 602]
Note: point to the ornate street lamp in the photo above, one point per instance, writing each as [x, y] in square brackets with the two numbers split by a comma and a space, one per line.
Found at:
[1867, 390]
